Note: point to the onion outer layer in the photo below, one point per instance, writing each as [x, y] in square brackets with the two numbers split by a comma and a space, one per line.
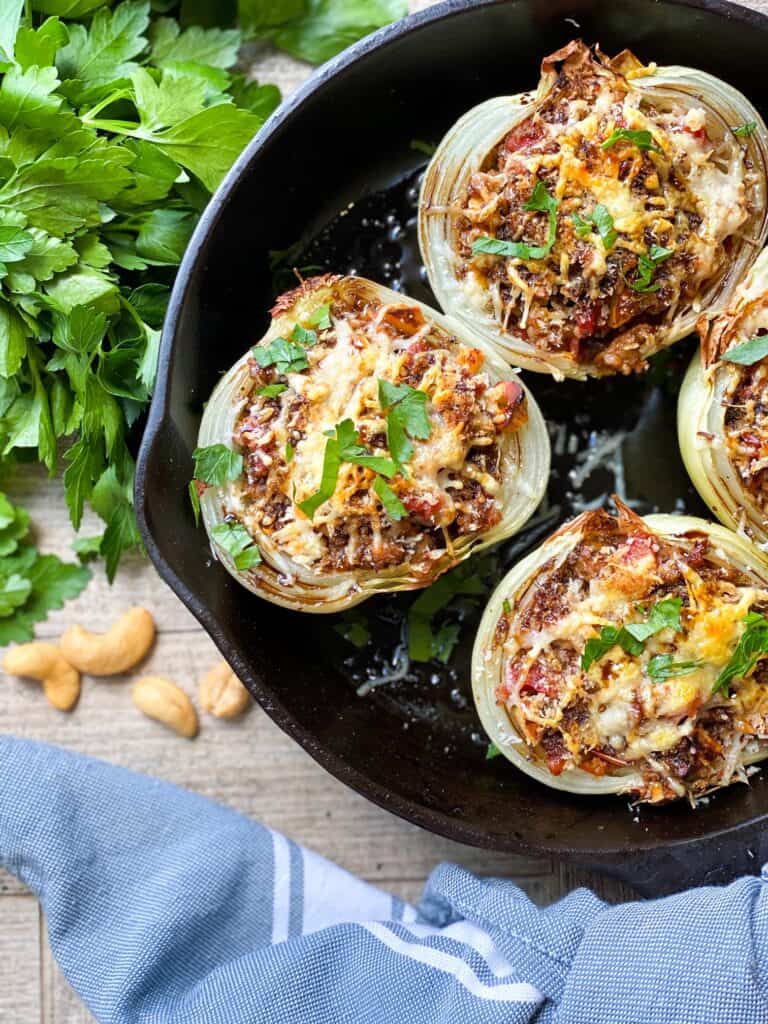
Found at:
[701, 414]
[525, 454]
[465, 148]
[488, 661]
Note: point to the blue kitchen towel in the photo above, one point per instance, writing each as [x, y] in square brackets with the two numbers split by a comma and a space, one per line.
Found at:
[165, 908]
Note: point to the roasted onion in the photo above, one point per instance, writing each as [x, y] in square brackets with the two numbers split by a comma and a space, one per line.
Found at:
[594, 712]
[722, 413]
[629, 199]
[468, 478]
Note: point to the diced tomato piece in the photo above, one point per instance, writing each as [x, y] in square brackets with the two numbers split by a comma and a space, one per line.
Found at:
[537, 681]
[523, 137]
[424, 507]
[586, 319]
[697, 133]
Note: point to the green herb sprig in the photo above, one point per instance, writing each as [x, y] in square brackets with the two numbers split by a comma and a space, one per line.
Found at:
[641, 138]
[600, 219]
[748, 352]
[631, 637]
[405, 409]
[752, 646]
[541, 201]
[647, 266]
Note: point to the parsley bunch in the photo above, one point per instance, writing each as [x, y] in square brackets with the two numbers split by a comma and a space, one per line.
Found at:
[114, 128]
[31, 584]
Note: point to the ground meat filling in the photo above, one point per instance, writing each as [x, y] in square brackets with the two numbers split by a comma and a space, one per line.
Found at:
[746, 436]
[450, 487]
[588, 296]
[617, 716]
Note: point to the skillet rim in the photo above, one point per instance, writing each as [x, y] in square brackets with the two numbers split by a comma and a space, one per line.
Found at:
[604, 857]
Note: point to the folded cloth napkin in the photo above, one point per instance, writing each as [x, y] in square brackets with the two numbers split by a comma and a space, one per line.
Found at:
[165, 908]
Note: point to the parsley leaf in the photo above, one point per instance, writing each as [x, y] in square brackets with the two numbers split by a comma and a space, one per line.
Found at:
[424, 643]
[492, 751]
[749, 650]
[31, 584]
[632, 637]
[303, 336]
[661, 667]
[285, 356]
[392, 504]
[540, 200]
[217, 464]
[647, 268]
[642, 139]
[664, 615]
[602, 220]
[194, 500]
[748, 352]
[272, 390]
[237, 542]
[343, 446]
[354, 628]
[321, 318]
[316, 31]
[406, 411]
[743, 131]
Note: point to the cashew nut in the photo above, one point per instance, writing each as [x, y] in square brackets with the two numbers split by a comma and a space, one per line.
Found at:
[46, 663]
[167, 703]
[222, 694]
[117, 650]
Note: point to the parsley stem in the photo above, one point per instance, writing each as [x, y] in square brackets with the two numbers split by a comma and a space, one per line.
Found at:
[113, 97]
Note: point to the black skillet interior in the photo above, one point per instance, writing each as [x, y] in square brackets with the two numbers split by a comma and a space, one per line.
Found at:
[414, 745]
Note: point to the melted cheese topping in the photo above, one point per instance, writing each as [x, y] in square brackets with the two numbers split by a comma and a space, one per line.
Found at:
[450, 486]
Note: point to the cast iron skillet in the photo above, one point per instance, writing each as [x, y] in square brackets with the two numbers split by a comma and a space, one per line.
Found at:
[414, 746]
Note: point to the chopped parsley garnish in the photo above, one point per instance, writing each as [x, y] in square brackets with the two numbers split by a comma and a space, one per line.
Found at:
[406, 411]
[492, 751]
[642, 139]
[289, 451]
[661, 667]
[647, 266]
[343, 446]
[631, 638]
[420, 146]
[540, 200]
[285, 356]
[303, 336]
[272, 390]
[745, 130]
[394, 508]
[749, 650]
[601, 220]
[506, 607]
[217, 464]
[424, 641]
[748, 352]
[354, 628]
[237, 542]
[194, 500]
[321, 318]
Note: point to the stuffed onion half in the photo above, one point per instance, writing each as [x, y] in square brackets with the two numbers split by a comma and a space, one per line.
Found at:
[629, 655]
[583, 228]
[722, 412]
[369, 449]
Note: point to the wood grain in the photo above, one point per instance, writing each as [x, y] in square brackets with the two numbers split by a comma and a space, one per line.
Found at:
[248, 764]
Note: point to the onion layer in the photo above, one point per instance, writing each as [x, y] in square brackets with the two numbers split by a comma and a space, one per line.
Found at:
[524, 466]
[470, 144]
[703, 405]
[488, 656]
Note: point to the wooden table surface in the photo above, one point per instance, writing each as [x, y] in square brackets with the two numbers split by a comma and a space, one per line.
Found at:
[276, 782]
